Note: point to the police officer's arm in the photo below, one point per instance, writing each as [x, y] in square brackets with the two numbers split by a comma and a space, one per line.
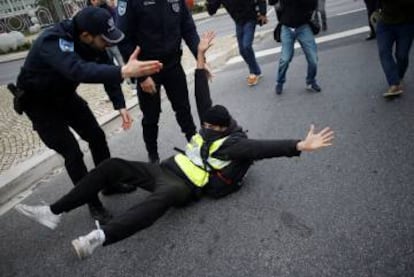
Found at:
[127, 22]
[188, 29]
[72, 66]
[249, 149]
[212, 6]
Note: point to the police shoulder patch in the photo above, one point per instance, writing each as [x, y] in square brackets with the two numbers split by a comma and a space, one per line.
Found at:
[122, 5]
[66, 46]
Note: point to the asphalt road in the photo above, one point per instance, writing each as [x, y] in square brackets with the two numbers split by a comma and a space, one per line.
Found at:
[344, 211]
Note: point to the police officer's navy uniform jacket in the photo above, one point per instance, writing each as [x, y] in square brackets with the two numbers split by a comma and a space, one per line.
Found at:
[157, 26]
[58, 62]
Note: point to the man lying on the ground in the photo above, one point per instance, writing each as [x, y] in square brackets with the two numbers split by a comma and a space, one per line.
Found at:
[213, 164]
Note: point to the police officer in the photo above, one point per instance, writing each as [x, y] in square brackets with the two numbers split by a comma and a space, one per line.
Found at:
[158, 28]
[71, 52]
[214, 162]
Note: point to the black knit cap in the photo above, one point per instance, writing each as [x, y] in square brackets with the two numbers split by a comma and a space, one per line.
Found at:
[218, 115]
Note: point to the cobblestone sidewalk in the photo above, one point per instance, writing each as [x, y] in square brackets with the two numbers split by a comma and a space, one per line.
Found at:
[18, 142]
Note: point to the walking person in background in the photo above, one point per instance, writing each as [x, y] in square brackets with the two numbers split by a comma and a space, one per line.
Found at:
[245, 16]
[395, 34]
[62, 57]
[294, 15]
[372, 6]
[158, 27]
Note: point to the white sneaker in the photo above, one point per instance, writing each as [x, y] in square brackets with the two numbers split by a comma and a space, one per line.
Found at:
[41, 214]
[85, 245]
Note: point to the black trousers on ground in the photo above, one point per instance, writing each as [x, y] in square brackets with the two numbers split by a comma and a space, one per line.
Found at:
[371, 5]
[174, 81]
[167, 190]
[52, 119]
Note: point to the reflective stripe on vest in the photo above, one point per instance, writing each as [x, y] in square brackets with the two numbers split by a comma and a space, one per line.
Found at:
[192, 163]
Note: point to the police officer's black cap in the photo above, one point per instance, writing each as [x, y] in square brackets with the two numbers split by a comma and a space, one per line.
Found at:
[98, 21]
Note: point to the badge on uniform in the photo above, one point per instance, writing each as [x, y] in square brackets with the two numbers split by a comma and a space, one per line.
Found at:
[66, 46]
[122, 5]
[176, 7]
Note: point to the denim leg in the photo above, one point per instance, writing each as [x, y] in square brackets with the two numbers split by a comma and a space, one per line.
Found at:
[385, 40]
[405, 35]
[307, 41]
[288, 40]
[245, 36]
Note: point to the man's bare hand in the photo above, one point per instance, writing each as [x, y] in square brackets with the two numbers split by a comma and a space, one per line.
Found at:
[206, 41]
[136, 68]
[148, 86]
[315, 141]
[126, 119]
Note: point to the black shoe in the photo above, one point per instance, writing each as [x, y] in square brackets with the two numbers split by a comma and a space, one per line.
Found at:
[100, 213]
[324, 27]
[313, 87]
[153, 158]
[119, 188]
[370, 37]
[279, 89]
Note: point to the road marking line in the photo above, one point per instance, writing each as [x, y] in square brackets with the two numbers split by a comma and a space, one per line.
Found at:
[349, 12]
[319, 40]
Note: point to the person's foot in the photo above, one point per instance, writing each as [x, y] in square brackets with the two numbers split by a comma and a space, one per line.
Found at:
[324, 27]
[100, 213]
[85, 245]
[41, 214]
[371, 36]
[313, 87]
[253, 79]
[393, 91]
[119, 188]
[279, 89]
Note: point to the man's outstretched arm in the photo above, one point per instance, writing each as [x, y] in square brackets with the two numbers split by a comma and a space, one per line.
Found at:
[250, 149]
[202, 90]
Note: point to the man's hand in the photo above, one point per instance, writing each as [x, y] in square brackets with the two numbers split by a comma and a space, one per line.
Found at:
[126, 119]
[136, 68]
[206, 41]
[315, 141]
[148, 86]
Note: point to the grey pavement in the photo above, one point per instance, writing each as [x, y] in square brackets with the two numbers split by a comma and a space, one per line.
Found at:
[21, 150]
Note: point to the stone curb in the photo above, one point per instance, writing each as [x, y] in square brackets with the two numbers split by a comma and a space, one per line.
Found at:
[16, 180]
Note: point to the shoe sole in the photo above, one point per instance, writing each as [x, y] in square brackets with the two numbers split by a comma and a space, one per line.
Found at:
[255, 83]
[390, 94]
[20, 208]
[76, 248]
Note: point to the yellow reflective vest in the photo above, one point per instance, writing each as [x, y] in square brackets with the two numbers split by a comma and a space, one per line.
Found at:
[192, 163]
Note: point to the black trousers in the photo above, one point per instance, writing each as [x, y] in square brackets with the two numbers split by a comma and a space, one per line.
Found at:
[174, 81]
[52, 119]
[371, 5]
[166, 189]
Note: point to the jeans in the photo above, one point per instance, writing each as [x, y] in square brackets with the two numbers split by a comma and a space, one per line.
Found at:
[245, 37]
[400, 35]
[166, 190]
[306, 39]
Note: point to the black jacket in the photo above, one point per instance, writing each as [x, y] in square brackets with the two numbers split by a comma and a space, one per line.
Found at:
[295, 13]
[158, 27]
[240, 10]
[241, 150]
[58, 62]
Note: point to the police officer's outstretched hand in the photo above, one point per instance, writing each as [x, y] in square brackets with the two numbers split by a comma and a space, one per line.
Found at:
[136, 68]
[126, 119]
[315, 141]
